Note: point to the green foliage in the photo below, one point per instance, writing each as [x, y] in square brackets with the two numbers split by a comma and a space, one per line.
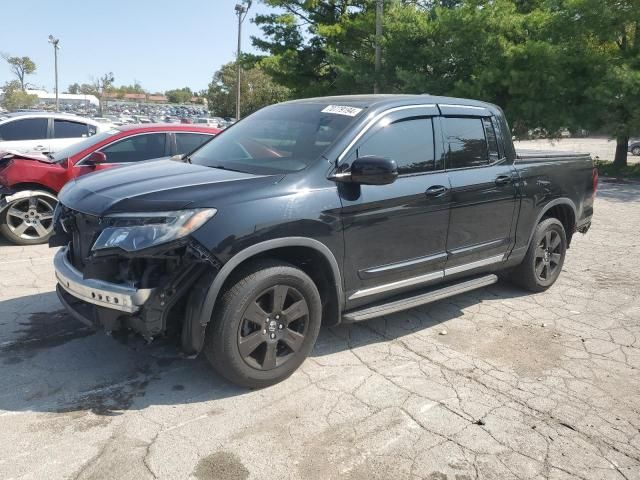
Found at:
[257, 88]
[83, 89]
[21, 67]
[549, 63]
[179, 95]
[15, 97]
[609, 169]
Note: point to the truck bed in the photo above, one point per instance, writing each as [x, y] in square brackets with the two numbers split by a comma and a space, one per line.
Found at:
[533, 155]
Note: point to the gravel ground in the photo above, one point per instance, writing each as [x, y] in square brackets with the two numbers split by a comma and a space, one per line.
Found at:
[520, 386]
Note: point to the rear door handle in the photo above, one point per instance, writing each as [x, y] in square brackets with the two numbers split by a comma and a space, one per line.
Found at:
[39, 148]
[436, 191]
[503, 180]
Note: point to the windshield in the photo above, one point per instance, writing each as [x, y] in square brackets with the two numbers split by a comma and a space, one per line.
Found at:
[277, 139]
[71, 150]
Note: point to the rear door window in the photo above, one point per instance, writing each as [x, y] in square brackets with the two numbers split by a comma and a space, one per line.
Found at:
[136, 148]
[24, 129]
[69, 129]
[465, 142]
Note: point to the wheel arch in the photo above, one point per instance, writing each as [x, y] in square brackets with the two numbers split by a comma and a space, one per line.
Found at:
[323, 269]
[27, 191]
[19, 187]
[564, 210]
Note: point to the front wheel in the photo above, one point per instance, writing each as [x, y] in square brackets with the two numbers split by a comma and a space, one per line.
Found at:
[544, 259]
[28, 221]
[265, 324]
[635, 151]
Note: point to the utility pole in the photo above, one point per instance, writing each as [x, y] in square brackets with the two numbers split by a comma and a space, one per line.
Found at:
[378, 58]
[55, 42]
[378, 55]
[241, 11]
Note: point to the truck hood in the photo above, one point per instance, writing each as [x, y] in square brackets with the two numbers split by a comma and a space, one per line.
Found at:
[157, 186]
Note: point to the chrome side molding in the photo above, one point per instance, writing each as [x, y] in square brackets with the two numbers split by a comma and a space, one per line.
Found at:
[408, 282]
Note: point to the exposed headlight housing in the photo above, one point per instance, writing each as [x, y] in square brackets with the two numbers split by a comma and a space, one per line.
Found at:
[137, 231]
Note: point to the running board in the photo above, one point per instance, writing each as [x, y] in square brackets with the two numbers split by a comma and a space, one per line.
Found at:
[411, 302]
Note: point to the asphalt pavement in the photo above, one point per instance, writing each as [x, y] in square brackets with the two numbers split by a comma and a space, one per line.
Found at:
[497, 383]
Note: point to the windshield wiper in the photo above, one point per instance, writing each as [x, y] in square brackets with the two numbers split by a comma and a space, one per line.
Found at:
[222, 167]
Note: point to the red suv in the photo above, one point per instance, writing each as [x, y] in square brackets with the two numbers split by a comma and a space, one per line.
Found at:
[30, 182]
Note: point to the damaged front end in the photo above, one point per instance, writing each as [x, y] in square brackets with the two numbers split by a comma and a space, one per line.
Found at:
[140, 271]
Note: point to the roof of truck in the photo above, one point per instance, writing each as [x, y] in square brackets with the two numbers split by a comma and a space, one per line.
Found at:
[389, 100]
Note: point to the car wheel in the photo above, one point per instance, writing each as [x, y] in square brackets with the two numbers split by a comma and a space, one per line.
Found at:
[544, 259]
[28, 221]
[265, 324]
[636, 151]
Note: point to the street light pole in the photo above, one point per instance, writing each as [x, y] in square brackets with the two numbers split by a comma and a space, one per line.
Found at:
[241, 11]
[55, 42]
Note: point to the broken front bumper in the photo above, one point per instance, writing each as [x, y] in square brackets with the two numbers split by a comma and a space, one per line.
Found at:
[115, 296]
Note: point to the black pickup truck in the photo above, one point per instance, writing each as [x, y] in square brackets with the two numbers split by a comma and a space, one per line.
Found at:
[311, 212]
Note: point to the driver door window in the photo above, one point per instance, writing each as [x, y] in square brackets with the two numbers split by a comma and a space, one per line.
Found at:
[136, 148]
[408, 142]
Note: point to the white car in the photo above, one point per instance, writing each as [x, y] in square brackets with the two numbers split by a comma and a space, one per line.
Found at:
[211, 122]
[45, 132]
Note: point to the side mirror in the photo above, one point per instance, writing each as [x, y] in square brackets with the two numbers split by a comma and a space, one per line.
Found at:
[370, 170]
[177, 158]
[96, 158]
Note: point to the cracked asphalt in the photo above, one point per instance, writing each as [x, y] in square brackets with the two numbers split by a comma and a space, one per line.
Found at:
[520, 386]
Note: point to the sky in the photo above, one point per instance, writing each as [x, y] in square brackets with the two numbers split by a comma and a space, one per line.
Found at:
[161, 44]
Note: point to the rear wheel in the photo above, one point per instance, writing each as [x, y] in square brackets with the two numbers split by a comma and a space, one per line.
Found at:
[635, 151]
[28, 221]
[544, 259]
[265, 324]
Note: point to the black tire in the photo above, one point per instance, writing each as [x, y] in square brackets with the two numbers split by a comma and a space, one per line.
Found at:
[543, 262]
[274, 348]
[29, 213]
[635, 151]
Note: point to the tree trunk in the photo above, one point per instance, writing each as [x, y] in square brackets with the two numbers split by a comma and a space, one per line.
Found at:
[622, 143]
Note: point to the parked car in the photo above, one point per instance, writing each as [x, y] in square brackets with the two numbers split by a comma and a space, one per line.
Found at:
[634, 146]
[29, 182]
[313, 212]
[44, 132]
[212, 122]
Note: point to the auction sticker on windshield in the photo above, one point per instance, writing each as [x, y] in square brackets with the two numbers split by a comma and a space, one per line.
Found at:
[342, 110]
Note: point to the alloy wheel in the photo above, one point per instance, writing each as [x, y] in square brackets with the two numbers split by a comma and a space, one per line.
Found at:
[548, 255]
[273, 327]
[31, 218]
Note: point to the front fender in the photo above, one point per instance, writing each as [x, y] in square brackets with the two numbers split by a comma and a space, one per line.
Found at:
[215, 288]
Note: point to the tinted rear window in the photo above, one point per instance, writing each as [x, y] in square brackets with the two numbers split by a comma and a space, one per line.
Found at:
[466, 142]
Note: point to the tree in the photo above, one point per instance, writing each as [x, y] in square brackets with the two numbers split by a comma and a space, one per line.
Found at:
[257, 88]
[100, 87]
[21, 67]
[83, 89]
[179, 95]
[15, 97]
[549, 63]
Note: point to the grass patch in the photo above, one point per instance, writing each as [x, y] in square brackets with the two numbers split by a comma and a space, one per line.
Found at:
[608, 169]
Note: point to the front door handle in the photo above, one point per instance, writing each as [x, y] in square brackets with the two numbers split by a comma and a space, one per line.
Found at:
[436, 191]
[503, 180]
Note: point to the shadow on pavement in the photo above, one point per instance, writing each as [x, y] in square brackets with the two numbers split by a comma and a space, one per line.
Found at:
[55, 364]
